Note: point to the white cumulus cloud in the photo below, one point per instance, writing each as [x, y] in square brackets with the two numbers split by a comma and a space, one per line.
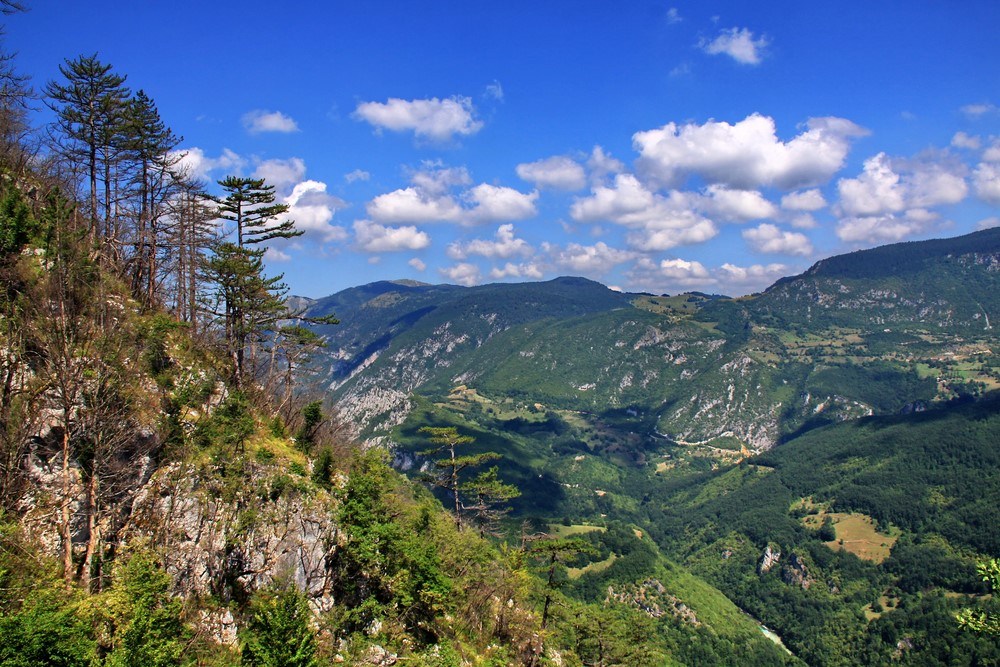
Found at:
[756, 276]
[462, 273]
[740, 44]
[804, 200]
[986, 180]
[496, 203]
[596, 259]
[418, 264]
[373, 237]
[655, 222]
[558, 172]
[312, 209]
[194, 163]
[887, 227]
[769, 239]
[739, 205]
[963, 140]
[747, 154]
[528, 270]
[281, 173]
[259, 120]
[601, 165]
[431, 198]
[434, 119]
[504, 245]
[357, 175]
[414, 205]
[891, 185]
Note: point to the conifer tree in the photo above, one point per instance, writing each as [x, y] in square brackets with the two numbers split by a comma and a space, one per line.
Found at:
[249, 203]
[447, 441]
[89, 108]
[149, 142]
[249, 303]
[490, 496]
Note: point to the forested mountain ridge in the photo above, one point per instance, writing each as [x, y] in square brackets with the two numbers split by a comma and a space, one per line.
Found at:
[937, 285]
[839, 341]
[871, 393]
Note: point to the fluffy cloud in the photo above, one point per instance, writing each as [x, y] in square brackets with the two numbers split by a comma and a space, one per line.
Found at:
[747, 154]
[414, 205]
[673, 275]
[434, 178]
[373, 237]
[273, 254]
[988, 223]
[963, 140]
[806, 200]
[526, 270]
[691, 273]
[888, 227]
[418, 264]
[654, 239]
[258, 121]
[804, 221]
[678, 275]
[992, 152]
[357, 175]
[505, 245]
[495, 203]
[757, 275]
[281, 173]
[876, 191]
[557, 172]
[312, 209]
[986, 179]
[462, 273]
[889, 185]
[429, 199]
[434, 119]
[601, 164]
[194, 163]
[595, 260]
[739, 205]
[737, 43]
[767, 238]
[656, 222]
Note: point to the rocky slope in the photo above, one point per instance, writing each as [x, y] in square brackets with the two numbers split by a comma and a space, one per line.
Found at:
[812, 349]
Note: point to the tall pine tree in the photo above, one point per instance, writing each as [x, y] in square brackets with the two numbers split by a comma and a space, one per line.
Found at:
[249, 203]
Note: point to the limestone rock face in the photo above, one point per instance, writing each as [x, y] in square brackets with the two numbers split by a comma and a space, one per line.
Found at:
[768, 559]
[232, 542]
[796, 573]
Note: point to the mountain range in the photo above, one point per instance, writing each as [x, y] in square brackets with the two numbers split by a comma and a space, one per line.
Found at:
[823, 453]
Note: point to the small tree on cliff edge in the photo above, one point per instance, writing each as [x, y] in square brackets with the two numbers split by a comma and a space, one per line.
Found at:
[447, 441]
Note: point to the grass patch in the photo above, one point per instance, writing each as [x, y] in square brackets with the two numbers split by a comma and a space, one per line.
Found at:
[559, 531]
[856, 534]
[599, 566]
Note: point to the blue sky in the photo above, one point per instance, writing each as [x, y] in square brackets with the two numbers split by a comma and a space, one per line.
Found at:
[653, 146]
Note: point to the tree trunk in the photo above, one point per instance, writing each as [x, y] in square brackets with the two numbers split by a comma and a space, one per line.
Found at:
[93, 534]
[65, 515]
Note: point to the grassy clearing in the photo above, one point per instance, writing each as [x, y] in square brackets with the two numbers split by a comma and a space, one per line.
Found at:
[559, 531]
[856, 534]
[599, 566]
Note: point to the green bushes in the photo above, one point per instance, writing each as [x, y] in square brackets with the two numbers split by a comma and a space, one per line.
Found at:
[278, 631]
